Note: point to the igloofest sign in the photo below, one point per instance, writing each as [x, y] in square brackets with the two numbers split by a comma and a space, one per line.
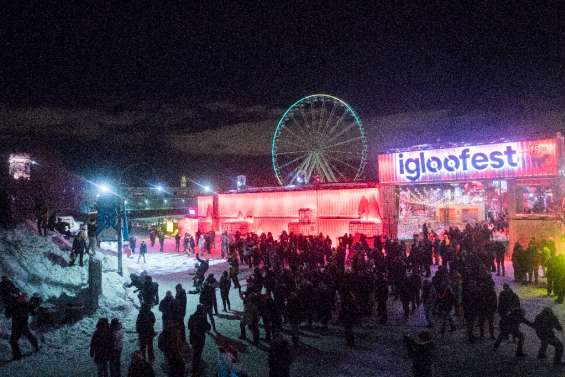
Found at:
[532, 158]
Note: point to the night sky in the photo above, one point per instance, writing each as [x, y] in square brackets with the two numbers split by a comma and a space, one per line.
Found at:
[109, 84]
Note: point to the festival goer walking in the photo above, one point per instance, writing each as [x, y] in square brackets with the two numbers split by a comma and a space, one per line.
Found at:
[145, 330]
[198, 326]
[348, 316]
[19, 309]
[225, 285]
[78, 249]
[225, 244]
[101, 347]
[500, 254]
[161, 236]
[132, 243]
[544, 324]
[510, 325]
[429, 297]
[117, 335]
[170, 343]
[180, 309]
[167, 307]
[177, 242]
[488, 304]
[142, 252]
[208, 297]
[152, 236]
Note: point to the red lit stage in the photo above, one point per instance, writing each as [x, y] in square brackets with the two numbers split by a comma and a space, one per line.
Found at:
[331, 209]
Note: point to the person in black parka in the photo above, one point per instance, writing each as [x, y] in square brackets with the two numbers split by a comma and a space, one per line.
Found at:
[198, 327]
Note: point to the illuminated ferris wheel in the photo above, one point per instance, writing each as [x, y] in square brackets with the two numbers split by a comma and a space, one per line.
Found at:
[319, 135]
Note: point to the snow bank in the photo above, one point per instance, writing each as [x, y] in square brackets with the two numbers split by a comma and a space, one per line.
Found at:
[39, 265]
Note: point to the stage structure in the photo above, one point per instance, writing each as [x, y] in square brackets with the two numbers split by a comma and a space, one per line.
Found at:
[518, 184]
[331, 209]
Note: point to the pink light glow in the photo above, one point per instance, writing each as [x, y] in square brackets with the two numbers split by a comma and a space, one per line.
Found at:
[332, 210]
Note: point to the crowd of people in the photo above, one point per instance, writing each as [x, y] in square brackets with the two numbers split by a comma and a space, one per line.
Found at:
[296, 281]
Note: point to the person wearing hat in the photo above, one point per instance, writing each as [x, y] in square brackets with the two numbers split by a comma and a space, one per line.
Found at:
[544, 324]
[510, 325]
[421, 348]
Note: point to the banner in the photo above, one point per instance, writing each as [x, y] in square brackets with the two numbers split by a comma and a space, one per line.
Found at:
[107, 218]
[532, 158]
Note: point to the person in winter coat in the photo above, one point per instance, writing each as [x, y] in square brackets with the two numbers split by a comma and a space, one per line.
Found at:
[180, 309]
[150, 291]
[470, 307]
[381, 295]
[91, 231]
[19, 310]
[544, 324]
[294, 315]
[78, 249]
[152, 236]
[101, 346]
[139, 367]
[348, 313]
[202, 244]
[208, 298]
[132, 243]
[234, 268]
[161, 237]
[510, 325]
[200, 273]
[445, 302]
[167, 307]
[250, 316]
[142, 252]
[429, 297]
[487, 304]
[500, 253]
[421, 349]
[225, 244]
[117, 334]
[177, 242]
[225, 285]
[198, 327]
[507, 300]
[145, 330]
[170, 343]
[279, 357]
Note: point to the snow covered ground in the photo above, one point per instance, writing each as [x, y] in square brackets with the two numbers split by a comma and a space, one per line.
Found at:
[156, 263]
[379, 352]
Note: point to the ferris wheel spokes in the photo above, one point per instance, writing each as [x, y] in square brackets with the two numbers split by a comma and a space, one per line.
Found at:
[321, 130]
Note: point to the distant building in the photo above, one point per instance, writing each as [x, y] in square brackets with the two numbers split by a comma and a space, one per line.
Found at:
[19, 166]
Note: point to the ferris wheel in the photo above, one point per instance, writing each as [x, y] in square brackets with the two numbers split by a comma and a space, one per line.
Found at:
[319, 136]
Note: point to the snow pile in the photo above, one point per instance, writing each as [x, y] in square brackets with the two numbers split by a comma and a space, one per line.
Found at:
[39, 265]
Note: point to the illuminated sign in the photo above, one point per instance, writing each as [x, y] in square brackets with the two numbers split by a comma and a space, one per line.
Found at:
[512, 159]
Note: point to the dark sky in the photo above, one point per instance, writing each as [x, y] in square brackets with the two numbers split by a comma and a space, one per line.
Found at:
[134, 64]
